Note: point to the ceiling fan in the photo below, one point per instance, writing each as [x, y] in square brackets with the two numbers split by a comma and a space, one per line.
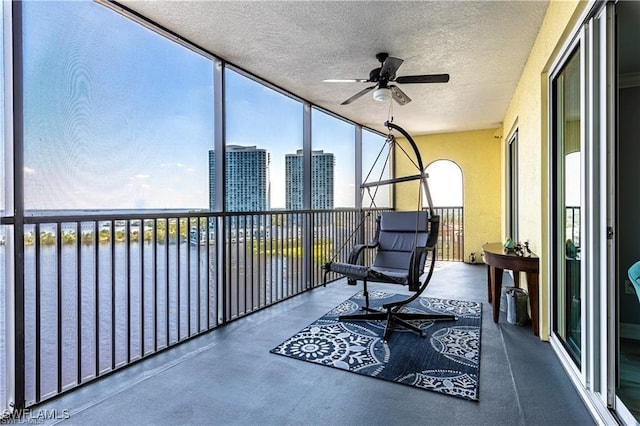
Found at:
[386, 74]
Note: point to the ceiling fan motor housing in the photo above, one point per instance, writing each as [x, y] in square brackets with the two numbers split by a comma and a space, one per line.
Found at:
[382, 56]
[374, 75]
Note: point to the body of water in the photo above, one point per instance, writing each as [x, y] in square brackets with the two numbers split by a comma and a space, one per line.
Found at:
[115, 305]
[109, 303]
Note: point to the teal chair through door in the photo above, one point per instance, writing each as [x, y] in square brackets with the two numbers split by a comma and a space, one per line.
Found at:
[634, 276]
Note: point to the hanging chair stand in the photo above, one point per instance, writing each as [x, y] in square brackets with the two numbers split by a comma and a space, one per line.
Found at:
[393, 312]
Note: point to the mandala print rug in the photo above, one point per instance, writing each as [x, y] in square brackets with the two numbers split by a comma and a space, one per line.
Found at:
[446, 360]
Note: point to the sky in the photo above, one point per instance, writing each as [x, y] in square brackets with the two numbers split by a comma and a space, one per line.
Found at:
[572, 179]
[102, 135]
[117, 116]
[2, 195]
[445, 183]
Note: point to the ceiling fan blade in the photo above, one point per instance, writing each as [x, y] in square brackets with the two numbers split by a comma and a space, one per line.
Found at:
[389, 67]
[399, 96]
[357, 95]
[341, 80]
[429, 78]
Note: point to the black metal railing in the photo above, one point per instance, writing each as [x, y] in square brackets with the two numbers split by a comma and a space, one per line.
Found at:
[3, 332]
[102, 291]
[572, 224]
[451, 239]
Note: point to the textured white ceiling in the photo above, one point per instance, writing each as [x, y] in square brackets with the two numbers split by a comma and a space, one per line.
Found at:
[483, 45]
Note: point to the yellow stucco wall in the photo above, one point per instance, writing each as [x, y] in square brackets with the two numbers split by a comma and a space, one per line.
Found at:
[481, 155]
[477, 153]
[527, 112]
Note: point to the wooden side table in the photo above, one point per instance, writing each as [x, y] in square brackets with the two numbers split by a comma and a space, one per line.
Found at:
[497, 261]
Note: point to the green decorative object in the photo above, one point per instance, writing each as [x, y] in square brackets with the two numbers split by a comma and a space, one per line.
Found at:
[571, 250]
[509, 245]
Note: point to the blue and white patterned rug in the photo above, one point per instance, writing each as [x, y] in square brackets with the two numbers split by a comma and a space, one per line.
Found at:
[446, 360]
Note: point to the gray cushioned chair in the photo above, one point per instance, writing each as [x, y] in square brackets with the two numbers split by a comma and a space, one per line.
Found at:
[402, 242]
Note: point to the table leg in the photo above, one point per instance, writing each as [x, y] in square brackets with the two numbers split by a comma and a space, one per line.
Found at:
[516, 278]
[532, 283]
[496, 290]
[489, 283]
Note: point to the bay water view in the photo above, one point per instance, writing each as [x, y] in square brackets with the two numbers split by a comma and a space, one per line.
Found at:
[109, 303]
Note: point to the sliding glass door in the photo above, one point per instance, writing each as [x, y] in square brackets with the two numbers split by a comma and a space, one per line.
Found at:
[567, 183]
[627, 202]
[594, 204]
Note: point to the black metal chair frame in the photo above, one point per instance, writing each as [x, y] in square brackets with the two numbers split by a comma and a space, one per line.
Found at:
[391, 312]
[353, 269]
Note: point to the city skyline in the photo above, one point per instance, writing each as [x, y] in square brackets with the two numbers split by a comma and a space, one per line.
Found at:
[248, 184]
[322, 180]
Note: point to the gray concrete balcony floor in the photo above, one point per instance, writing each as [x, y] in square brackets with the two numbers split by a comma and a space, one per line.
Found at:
[228, 376]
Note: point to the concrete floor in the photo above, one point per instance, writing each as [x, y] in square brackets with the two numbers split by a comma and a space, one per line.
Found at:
[228, 376]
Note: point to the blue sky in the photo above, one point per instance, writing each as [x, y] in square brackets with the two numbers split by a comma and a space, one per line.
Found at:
[118, 117]
[257, 115]
[2, 183]
[115, 116]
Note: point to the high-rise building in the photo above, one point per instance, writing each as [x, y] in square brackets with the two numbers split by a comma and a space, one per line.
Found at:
[322, 165]
[247, 187]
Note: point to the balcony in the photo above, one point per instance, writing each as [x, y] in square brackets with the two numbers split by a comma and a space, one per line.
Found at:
[185, 293]
[169, 317]
[228, 376]
[102, 291]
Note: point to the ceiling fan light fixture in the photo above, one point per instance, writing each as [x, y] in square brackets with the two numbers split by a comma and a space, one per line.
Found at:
[382, 94]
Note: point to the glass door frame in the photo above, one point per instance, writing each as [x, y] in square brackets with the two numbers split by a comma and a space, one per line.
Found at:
[556, 219]
[594, 36]
[512, 180]
[615, 403]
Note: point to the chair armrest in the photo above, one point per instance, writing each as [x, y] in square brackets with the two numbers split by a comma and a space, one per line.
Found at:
[352, 262]
[354, 255]
[434, 230]
[415, 272]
